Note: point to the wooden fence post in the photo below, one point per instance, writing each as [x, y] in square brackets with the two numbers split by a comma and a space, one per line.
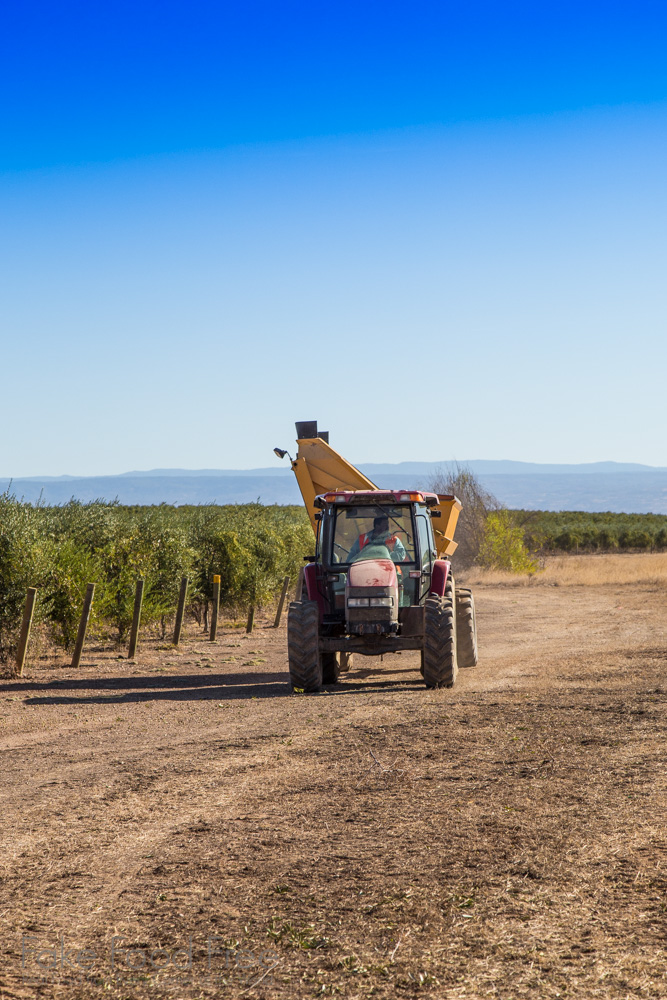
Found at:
[216, 608]
[28, 610]
[281, 602]
[180, 610]
[136, 618]
[83, 625]
[251, 618]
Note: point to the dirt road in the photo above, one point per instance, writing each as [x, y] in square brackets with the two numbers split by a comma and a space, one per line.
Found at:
[183, 826]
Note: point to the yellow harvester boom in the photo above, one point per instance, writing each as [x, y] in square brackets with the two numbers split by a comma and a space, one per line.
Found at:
[320, 469]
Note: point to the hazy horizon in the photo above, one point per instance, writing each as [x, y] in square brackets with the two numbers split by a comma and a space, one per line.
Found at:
[562, 467]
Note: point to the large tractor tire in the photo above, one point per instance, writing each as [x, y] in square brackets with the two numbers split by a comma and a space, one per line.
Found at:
[466, 629]
[331, 667]
[439, 656]
[305, 664]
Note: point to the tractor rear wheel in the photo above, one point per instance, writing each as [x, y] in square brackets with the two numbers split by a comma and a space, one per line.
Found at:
[466, 629]
[439, 655]
[303, 627]
[330, 667]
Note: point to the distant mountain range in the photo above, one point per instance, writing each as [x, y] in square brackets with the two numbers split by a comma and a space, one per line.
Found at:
[596, 486]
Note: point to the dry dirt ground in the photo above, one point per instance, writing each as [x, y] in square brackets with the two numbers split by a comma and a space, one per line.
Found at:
[182, 826]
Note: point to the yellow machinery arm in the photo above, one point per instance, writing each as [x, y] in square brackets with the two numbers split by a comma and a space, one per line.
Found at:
[320, 469]
[443, 530]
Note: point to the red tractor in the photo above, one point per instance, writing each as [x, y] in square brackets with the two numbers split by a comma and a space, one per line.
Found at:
[380, 580]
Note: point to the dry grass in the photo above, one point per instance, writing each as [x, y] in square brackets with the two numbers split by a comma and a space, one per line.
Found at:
[584, 570]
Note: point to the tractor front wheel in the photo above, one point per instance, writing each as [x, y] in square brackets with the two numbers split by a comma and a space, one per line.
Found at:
[439, 655]
[305, 664]
[466, 628]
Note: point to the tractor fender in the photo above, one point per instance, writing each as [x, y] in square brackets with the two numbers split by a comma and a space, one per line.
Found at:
[439, 576]
[312, 574]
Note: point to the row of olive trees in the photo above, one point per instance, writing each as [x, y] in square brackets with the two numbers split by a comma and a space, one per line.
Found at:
[61, 549]
[601, 531]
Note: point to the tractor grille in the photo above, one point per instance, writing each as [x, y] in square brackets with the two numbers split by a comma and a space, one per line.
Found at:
[370, 615]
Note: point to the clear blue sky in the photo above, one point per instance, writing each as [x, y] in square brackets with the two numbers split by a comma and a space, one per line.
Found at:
[438, 228]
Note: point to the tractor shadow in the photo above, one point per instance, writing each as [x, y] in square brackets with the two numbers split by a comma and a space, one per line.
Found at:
[138, 689]
[377, 678]
[352, 685]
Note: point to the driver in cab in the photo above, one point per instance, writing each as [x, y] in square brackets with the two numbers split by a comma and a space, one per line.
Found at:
[379, 536]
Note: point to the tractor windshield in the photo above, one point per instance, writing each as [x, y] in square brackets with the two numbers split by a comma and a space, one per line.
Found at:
[374, 532]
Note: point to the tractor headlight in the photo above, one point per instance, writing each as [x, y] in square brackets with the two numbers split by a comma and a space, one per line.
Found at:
[381, 602]
[358, 602]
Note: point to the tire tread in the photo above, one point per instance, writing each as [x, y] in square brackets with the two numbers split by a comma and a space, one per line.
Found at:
[466, 629]
[305, 664]
[439, 659]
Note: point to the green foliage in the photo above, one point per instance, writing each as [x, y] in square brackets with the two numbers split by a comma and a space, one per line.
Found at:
[25, 555]
[61, 549]
[252, 548]
[72, 566]
[148, 543]
[503, 545]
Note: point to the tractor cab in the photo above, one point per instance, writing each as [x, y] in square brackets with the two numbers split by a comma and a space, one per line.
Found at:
[372, 539]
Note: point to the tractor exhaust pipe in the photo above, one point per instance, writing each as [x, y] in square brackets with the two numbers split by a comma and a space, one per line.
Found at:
[308, 429]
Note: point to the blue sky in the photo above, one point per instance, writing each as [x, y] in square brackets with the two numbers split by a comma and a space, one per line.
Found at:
[437, 228]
